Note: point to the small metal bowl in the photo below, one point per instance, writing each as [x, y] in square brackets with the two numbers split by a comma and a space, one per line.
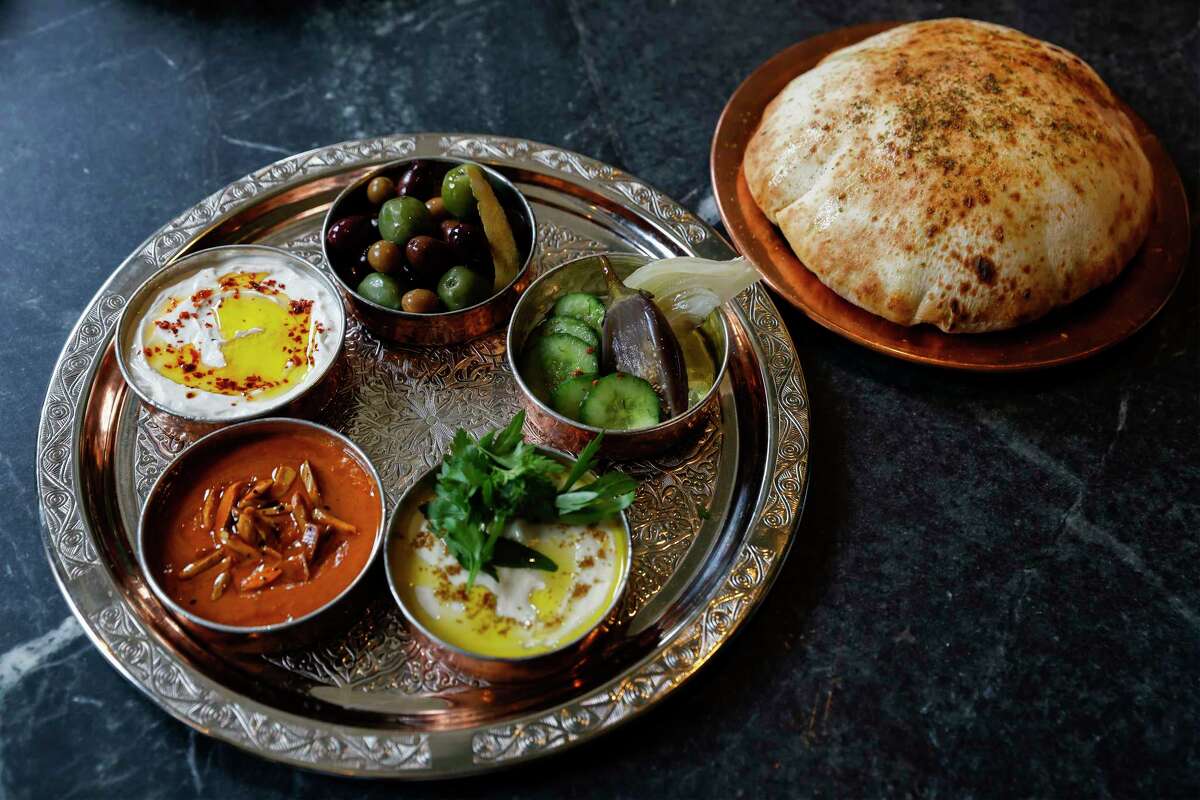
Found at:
[444, 327]
[336, 615]
[584, 275]
[317, 384]
[571, 657]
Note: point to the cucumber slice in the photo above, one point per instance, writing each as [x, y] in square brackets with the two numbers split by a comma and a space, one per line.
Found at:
[581, 305]
[569, 325]
[568, 396]
[621, 402]
[561, 356]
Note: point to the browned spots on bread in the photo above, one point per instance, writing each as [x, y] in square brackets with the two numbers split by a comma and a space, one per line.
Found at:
[937, 166]
[985, 269]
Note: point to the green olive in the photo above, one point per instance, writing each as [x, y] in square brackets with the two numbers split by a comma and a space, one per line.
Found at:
[381, 289]
[457, 196]
[419, 301]
[384, 256]
[460, 287]
[402, 218]
[380, 190]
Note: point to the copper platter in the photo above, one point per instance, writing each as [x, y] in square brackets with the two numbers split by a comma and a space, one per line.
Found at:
[712, 523]
[1092, 324]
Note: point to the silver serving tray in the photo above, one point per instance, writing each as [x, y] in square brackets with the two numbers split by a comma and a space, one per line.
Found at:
[712, 523]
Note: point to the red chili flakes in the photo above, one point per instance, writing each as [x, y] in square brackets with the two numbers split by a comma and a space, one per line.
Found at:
[190, 395]
[300, 306]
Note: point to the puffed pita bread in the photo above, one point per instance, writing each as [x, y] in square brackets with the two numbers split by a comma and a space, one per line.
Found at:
[953, 172]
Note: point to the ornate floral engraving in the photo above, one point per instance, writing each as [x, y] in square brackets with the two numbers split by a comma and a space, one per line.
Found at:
[378, 653]
[622, 184]
[674, 494]
[558, 245]
[56, 446]
[158, 672]
[156, 444]
[400, 404]
[674, 663]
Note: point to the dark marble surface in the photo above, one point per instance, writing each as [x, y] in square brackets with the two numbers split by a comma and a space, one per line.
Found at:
[994, 588]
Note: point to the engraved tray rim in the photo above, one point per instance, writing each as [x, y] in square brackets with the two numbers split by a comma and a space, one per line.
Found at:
[92, 593]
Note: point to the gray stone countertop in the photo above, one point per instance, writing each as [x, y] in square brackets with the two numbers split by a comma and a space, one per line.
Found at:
[994, 590]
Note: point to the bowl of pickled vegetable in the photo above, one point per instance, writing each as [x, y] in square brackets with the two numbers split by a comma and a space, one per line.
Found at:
[593, 354]
[430, 250]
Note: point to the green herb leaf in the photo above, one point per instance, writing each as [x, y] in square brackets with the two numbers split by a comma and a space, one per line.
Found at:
[510, 553]
[510, 436]
[582, 464]
[485, 483]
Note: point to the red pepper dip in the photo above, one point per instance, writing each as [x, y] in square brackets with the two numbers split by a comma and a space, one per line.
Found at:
[265, 530]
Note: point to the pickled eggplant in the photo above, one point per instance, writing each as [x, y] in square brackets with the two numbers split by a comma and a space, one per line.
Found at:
[637, 339]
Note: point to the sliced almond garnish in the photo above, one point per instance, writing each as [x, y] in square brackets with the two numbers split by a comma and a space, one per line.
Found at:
[340, 554]
[245, 526]
[209, 510]
[299, 511]
[236, 547]
[255, 492]
[309, 540]
[310, 482]
[324, 517]
[228, 498]
[282, 478]
[200, 564]
[260, 577]
[221, 582]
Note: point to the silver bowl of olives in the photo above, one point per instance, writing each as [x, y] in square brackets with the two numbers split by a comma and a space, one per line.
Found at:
[430, 250]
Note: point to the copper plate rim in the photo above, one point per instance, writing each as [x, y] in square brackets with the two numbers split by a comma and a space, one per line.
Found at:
[1090, 325]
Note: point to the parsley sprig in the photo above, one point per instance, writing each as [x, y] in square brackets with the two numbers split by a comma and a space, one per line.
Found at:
[485, 483]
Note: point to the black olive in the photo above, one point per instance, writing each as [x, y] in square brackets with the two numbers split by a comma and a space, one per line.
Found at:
[428, 257]
[348, 237]
[422, 180]
[467, 241]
